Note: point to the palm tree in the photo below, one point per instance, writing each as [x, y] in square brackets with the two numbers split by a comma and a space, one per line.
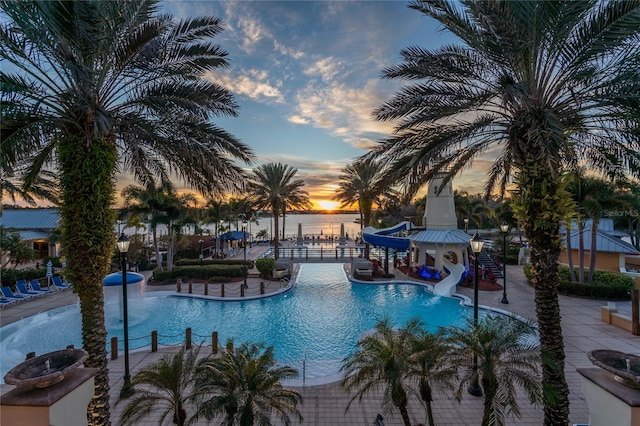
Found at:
[16, 182]
[243, 385]
[99, 87]
[361, 182]
[543, 85]
[508, 357]
[167, 388]
[381, 361]
[430, 366]
[273, 187]
[14, 248]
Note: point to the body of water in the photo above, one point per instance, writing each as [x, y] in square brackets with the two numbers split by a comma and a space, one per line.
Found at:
[317, 323]
[313, 225]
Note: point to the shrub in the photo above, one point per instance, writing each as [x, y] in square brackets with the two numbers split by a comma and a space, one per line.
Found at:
[10, 276]
[196, 262]
[200, 272]
[265, 266]
[606, 284]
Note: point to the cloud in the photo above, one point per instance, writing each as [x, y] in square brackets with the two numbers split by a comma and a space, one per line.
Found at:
[252, 83]
[287, 51]
[326, 68]
[344, 110]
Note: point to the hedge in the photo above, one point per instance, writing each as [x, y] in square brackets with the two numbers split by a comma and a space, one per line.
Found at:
[265, 266]
[10, 276]
[205, 262]
[200, 272]
[606, 284]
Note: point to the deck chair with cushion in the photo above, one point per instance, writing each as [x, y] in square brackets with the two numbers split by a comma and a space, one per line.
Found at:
[6, 302]
[8, 294]
[58, 284]
[35, 286]
[21, 285]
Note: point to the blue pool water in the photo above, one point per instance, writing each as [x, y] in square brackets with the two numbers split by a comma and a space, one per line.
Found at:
[321, 317]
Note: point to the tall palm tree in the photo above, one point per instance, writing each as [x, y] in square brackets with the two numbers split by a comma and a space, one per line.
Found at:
[430, 366]
[361, 183]
[273, 186]
[381, 362]
[100, 87]
[296, 198]
[167, 387]
[243, 386]
[508, 357]
[544, 86]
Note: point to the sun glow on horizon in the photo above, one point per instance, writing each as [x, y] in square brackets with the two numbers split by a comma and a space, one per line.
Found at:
[327, 204]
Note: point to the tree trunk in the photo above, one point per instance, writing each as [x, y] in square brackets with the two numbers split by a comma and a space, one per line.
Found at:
[580, 251]
[275, 213]
[157, 248]
[593, 252]
[284, 213]
[405, 414]
[170, 246]
[570, 255]
[87, 185]
[542, 207]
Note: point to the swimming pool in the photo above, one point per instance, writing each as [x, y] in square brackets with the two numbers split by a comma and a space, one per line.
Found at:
[321, 317]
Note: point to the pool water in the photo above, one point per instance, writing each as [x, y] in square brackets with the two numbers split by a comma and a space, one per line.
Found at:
[319, 320]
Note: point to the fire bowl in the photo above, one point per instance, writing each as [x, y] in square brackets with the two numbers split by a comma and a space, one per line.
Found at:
[45, 370]
[625, 367]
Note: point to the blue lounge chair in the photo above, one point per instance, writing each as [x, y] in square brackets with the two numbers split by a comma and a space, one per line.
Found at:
[35, 285]
[8, 294]
[58, 284]
[21, 285]
[5, 302]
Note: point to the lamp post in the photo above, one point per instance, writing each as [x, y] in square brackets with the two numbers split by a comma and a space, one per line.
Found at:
[123, 247]
[504, 227]
[201, 252]
[244, 244]
[220, 237]
[466, 225]
[476, 246]
[119, 222]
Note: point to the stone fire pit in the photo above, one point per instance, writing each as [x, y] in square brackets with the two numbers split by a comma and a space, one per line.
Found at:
[46, 369]
[625, 367]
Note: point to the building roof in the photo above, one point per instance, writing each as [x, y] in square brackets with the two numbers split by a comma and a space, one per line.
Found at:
[441, 236]
[33, 235]
[604, 242]
[30, 219]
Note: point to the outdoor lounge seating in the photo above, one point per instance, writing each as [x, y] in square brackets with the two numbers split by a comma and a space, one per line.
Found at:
[58, 284]
[5, 302]
[10, 295]
[35, 285]
[21, 285]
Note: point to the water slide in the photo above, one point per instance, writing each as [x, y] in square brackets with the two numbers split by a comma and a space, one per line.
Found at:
[381, 237]
[447, 286]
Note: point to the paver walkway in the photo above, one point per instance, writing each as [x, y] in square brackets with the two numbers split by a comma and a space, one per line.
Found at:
[325, 404]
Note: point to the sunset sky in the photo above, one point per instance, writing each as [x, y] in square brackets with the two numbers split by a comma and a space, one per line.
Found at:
[306, 75]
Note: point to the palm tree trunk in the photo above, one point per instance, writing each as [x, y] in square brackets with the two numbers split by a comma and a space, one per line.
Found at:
[580, 251]
[405, 414]
[570, 255]
[276, 251]
[88, 238]
[154, 232]
[489, 394]
[284, 213]
[542, 211]
[170, 246]
[593, 252]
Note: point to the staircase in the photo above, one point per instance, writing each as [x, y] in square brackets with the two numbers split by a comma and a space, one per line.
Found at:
[485, 260]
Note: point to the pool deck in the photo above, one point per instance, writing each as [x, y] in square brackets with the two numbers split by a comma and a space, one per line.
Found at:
[583, 331]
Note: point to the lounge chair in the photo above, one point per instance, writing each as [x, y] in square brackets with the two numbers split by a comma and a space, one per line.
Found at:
[5, 302]
[21, 285]
[58, 284]
[35, 286]
[8, 294]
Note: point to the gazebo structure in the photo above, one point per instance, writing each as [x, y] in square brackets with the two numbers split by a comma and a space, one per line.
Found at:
[441, 240]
